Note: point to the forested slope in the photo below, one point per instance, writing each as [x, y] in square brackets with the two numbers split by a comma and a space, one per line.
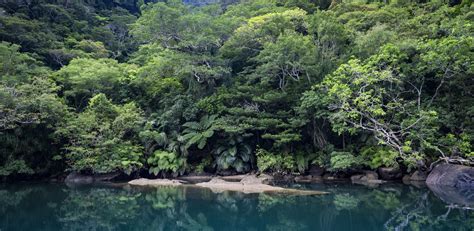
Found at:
[223, 86]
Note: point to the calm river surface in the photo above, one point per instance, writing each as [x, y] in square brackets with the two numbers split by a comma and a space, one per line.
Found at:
[40, 206]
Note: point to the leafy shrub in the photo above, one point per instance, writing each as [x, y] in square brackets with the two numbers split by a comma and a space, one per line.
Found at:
[342, 161]
[15, 166]
[286, 163]
[379, 157]
[166, 162]
[268, 161]
[265, 160]
[206, 162]
[129, 156]
[302, 161]
[458, 144]
[229, 157]
[103, 138]
[323, 157]
[233, 153]
[197, 133]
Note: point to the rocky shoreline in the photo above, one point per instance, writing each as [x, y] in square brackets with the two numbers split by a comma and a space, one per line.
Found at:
[442, 175]
[444, 178]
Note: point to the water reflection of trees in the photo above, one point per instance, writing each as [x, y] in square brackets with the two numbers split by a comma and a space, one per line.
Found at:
[189, 208]
[158, 209]
[22, 207]
[11, 200]
[422, 214]
[98, 209]
[397, 208]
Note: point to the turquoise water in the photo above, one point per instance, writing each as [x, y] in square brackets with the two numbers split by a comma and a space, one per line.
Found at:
[120, 207]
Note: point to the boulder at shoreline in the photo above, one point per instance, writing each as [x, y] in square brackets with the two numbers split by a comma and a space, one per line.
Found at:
[386, 173]
[451, 175]
[78, 178]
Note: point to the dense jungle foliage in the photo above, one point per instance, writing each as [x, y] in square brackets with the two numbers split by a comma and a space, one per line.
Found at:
[175, 87]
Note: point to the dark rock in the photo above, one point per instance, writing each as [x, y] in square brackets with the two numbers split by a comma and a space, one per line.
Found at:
[226, 173]
[317, 179]
[198, 174]
[359, 177]
[328, 176]
[108, 176]
[418, 176]
[389, 173]
[316, 170]
[371, 175]
[336, 177]
[458, 176]
[406, 179]
[367, 178]
[284, 178]
[77, 178]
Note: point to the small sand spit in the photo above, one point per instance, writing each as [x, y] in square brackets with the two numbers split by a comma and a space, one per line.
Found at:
[248, 184]
[219, 185]
[155, 182]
